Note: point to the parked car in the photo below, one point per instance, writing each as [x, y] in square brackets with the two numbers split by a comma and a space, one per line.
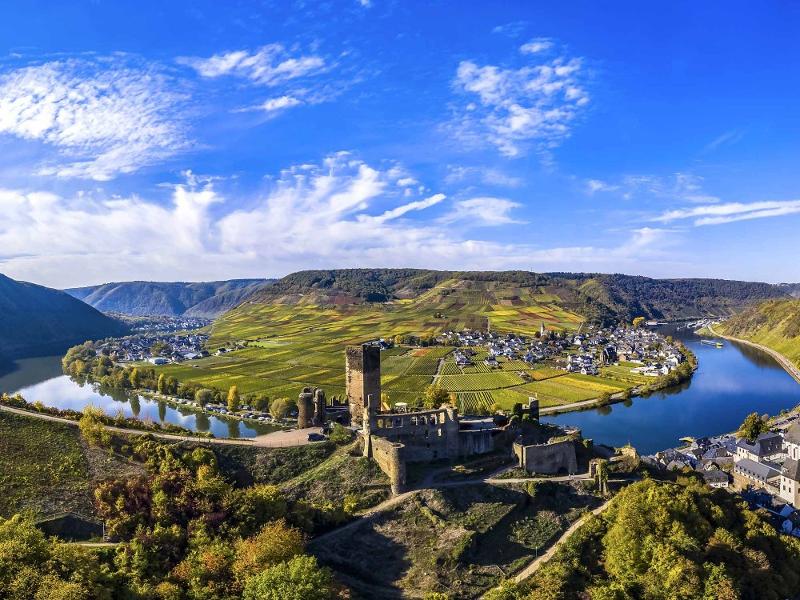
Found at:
[316, 437]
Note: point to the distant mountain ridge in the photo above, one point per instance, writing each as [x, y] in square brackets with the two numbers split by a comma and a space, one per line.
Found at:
[773, 323]
[36, 320]
[595, 295]
[148, 298]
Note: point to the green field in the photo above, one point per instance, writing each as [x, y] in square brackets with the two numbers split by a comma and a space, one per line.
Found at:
[291, 345]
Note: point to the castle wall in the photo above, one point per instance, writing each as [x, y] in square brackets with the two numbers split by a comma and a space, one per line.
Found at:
[388, 455]
[551, 459]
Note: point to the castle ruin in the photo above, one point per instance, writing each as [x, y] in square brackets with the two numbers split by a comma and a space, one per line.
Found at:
[363, 379]
[311, 408]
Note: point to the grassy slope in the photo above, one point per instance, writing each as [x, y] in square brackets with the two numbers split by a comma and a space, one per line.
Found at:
[300, 342]
[449, 540]
[774, 323]
[46, 467]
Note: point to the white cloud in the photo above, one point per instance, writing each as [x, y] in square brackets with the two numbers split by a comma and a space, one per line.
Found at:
[103, 116]
[483, 211]
[596, 185]
[719, 214]
[513, 108]
[536, 45]
[270, 65]
[341, 212]
[487, 175]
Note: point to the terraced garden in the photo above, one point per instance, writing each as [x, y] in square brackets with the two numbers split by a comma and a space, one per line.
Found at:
[288, 346]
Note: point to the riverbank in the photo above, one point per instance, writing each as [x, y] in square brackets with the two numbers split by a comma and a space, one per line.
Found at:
[783, 361]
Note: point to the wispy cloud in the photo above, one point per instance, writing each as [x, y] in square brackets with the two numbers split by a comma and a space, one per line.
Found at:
[340, 212]
[513, 108]
[483, 211]
[719, 214]
[597, 185]
[104, 116]
[536, 45]
[486, 175]
[726, 139]
[684, 187]
[270, 65]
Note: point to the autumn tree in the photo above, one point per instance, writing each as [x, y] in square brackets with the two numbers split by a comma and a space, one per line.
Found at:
[275, 543]
[279, 408]
[233, 398]
[161, 386]
[434, 396]
[638, 321]
[92, 427]
[753, 426]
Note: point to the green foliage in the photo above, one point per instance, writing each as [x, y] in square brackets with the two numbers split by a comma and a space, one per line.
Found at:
[300, 578]
[435, 396]
[753, 426]
[535, 532]
[279, 408]
[93, 428]
[665, 541]
[341, 435]
[204, 396]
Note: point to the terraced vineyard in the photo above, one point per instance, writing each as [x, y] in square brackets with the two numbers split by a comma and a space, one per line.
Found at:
[291, 345]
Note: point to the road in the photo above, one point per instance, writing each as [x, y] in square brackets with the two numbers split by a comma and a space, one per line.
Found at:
[784, 362]
[277, 439]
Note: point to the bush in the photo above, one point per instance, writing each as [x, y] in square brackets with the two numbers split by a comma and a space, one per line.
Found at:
[300, 578]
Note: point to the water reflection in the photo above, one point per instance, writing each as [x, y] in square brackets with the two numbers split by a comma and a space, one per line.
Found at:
[729, 383]
[62, 392]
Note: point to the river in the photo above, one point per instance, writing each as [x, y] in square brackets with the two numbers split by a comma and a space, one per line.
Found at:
[41, 379]
[729, 383]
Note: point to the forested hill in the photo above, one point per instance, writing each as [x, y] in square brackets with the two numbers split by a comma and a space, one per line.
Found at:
[37, 320]
[596, 296]
[142, 298]
[667, 299]
[773, 323]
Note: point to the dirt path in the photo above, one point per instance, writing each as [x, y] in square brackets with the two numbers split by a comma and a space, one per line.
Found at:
[534, 566]
[784, 362]
[277, 439]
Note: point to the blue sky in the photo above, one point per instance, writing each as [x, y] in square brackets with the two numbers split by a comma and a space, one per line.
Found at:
[207, 140]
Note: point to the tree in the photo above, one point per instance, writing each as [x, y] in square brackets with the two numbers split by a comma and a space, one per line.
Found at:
[275, 543]
[637, 322]
[279, 408]
[172, 386]
[752, 426]
[135, 378]
[233, 398]
[435, 396]
[260, 402]
[92, 427]
[203, 396]
[161, 386]
[300, 578]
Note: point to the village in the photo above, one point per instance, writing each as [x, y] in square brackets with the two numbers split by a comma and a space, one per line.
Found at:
[765, 471]
[156, 347]
[650, 353]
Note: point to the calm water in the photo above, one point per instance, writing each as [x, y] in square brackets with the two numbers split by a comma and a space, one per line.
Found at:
[729, 383]
[41, 379]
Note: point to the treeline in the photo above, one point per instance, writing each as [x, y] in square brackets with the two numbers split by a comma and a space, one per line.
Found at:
[119, 420]
[83, 362]
[683, 372]
[667, 541]
[186, 533]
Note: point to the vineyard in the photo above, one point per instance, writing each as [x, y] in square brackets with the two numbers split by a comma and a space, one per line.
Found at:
[291, 345]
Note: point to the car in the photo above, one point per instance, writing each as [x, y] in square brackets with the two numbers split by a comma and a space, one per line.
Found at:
[316, 437]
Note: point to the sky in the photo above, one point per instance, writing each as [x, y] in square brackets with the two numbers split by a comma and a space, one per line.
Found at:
[205, 140]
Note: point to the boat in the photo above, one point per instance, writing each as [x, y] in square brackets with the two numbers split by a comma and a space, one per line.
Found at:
[714, 343]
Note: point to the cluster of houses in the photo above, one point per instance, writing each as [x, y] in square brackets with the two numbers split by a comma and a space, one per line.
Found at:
[581, 353]
[765, 471]
[165, 324]
[170, 347]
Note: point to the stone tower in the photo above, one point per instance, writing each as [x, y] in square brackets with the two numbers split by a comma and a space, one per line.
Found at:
[305, 408]
[319, 407]
[363, 372]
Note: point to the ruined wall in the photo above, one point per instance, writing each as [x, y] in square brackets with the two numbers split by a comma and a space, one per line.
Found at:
[426, 435]
[363, 378]
[305, 408]
[389, 457]
[551, 459]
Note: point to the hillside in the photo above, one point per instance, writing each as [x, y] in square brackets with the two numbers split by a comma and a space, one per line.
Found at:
[669, 299]
[774, 323]
[144, 298]
[37, 320]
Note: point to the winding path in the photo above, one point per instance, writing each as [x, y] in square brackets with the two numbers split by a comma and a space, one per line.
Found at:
[277, 439]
